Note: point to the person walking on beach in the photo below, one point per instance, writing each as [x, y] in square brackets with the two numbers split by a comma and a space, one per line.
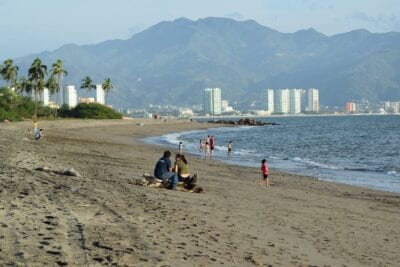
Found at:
[264, 174]
[230, 148]
[163, 171]
[180, 148]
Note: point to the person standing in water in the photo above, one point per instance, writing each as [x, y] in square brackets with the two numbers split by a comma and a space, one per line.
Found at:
[180, 148]
[201, 147]
[212, 145]
[207, 152]
[230, 148]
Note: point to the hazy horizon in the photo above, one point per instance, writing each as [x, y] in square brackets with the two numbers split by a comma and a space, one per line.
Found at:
[33, 27]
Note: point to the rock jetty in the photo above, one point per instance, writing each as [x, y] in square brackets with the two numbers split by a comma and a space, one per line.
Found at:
[247, 121]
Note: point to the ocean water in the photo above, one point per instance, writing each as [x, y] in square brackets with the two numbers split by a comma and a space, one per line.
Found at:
[356, 150]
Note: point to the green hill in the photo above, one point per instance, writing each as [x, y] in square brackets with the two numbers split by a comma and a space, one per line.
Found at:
[171, 62]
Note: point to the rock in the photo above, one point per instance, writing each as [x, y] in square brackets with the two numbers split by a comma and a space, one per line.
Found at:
[43, 169]
[247, 121]
[70, 172]
[198, 189]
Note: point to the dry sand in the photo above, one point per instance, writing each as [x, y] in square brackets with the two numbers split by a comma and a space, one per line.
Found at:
[103, 218]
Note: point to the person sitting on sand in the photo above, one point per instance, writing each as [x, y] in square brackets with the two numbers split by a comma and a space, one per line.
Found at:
[163, 171]
[182, 169]
[39, 134]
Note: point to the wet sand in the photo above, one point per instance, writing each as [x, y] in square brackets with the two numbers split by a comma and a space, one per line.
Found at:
[103, 218]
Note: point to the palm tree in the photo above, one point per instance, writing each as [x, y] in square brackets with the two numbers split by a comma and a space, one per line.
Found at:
[9, 72]
[53, 86]
[23, 85]
[87, 84]
[36, 74]
[107, 86]
[58, 70]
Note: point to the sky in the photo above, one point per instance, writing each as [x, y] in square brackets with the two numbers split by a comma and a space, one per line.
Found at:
[33, 26]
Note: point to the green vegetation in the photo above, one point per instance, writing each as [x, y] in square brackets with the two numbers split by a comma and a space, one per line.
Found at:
[107, 86]
[15, 107]
[90, 111]
[59, 72]
[87, 84]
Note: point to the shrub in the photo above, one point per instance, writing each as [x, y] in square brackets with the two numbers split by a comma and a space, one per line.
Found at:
[16, 107]
[90, 111]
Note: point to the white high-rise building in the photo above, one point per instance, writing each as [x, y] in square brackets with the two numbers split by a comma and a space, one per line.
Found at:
[70, 96]
[44, 97]
[100, 94]
[270, 100]
[294, 101]
[281, 104]
[313, 100]
[212, 101]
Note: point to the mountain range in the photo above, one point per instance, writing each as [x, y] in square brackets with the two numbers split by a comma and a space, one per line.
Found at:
[172, 62]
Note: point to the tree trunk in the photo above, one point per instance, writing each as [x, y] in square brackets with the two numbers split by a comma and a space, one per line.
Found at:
[36, 100]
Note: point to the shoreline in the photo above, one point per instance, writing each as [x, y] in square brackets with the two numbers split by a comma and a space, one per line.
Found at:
[162, 142]
[289, 116]
[298, 221]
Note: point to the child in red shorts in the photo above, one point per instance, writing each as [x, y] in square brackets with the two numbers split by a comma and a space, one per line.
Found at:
[264, 175]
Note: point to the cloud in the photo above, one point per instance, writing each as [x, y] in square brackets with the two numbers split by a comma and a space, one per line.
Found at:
[380, 22]
[235, 16]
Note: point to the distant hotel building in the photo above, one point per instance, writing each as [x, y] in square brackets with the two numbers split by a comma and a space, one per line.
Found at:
[351, 107]
[100, 94]
[270, 100]
[292, 101]
[212, 101]
[281, 103]
[43, 96]
[313, 100]
[70, 96]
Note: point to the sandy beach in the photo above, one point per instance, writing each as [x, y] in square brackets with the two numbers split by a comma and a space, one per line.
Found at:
[101, 217]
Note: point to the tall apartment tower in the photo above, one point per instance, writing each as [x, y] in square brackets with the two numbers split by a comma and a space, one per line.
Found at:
[70, 96]
[282, 101]
[303, 97]
[270, 100]
[100, 94]
[43, 97]
[212, 101]
[294, 101]
[313, 100]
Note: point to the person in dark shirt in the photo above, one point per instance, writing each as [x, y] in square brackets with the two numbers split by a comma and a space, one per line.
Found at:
[163, 171]
[39, 134]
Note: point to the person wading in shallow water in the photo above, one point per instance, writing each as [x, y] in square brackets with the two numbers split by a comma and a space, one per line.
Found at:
[180, 148]
[230, 147]
[212, 145]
